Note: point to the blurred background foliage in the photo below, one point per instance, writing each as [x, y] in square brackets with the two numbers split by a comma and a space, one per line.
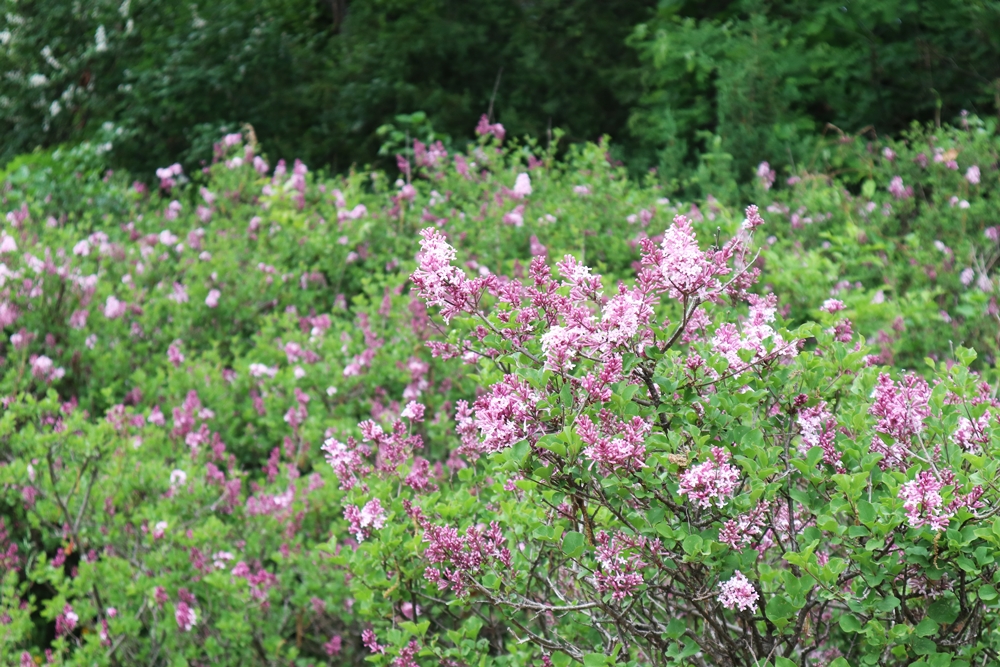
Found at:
[697, 89]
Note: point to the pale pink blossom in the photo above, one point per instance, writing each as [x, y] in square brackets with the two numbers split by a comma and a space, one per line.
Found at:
[113, 308]
[159, 530]
[522, 186]
[711, 482]
[173, 210]
[738, 593]
[971, 435]
[898, 190]
[515, 216]
[66, 621]
[45, 369]
[484, 127]
[766, 175]
[923, 503]
[901, 409]
[413, 411]
[260, 370]
[366, 519]
[739, 532]
[179, 294]
[185, 617]
[212, 300]
[819, 429]
[614, 444]
[619, 574]
[7, 243]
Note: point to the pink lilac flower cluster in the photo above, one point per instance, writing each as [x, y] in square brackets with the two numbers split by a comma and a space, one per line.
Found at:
[832, 306]
[441, 284]
[901, 410]
[260, 581]
[739, 532]
[972, 435]
[431, 156]
[370, 641]
[679, 267]
[712, 482]
[347, 461]
[66, 621]
[738, 593]
[486, 128]
[819, 429]
[614, 444]
[168, 176]
[365, 519]
[506, 414]
[461, 557]
[754, 336]
[185, 616]
[898, 190]
[924, 504]
[9, 560]
[619, 574]
[587, 325]
[766, 175]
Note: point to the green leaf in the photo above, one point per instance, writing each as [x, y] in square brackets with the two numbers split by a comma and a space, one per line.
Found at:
[692, 544]
[887, 603]
[675, 628]
[987, 593]
[850, 623]
[866, 512]
[923, 646]
[779, 609]
[943, 610]
[573, 544]
[595, 660]
[926, 628]
[521, 450]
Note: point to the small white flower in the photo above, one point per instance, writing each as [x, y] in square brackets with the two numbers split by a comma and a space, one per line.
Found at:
[101, 40]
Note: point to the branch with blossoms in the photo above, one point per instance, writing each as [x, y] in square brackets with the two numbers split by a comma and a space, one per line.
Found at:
[705, 538]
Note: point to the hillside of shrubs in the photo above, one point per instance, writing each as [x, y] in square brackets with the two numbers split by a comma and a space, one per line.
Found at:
[505, 405]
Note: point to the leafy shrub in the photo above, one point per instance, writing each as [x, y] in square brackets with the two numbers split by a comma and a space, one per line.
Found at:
[903, 232]
[316, 79]
[233, 431]
[663, 482]
[765, 77]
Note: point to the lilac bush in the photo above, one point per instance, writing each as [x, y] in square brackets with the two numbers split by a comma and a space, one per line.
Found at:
[506, 409]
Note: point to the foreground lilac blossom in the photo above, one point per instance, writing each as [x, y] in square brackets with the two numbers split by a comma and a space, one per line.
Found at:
[738, 593]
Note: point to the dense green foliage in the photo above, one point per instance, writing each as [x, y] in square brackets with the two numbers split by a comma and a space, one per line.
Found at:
[766, 76]
[728, 81]
[316, 79]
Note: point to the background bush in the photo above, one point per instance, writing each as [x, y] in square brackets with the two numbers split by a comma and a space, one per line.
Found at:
[669, 82]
